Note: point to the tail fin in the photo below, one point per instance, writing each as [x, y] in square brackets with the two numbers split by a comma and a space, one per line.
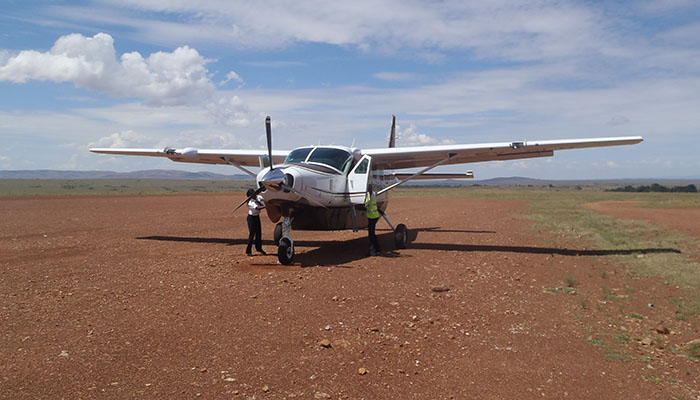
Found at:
[392, 136]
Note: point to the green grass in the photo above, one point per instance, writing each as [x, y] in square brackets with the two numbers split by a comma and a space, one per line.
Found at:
[642, 248]
[560, 289]
[82, 187]
[693, 351]
[622, 338]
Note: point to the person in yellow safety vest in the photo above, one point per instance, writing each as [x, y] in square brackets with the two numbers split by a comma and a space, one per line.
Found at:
[372, 218]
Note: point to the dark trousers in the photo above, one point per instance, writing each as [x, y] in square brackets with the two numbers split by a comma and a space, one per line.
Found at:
[254, 233]
[373, 242]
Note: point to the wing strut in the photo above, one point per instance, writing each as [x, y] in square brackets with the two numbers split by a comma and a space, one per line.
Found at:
[424, 170]
[239, 166]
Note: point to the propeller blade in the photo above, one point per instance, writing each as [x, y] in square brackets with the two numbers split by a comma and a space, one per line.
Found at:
[252, 196]
[268, 128]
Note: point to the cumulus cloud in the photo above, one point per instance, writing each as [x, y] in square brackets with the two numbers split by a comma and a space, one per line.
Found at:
[230, 111]
[121, 139]
[178, 77]
[410, 137]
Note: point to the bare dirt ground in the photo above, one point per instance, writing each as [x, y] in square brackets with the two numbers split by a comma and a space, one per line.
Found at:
[152, 297]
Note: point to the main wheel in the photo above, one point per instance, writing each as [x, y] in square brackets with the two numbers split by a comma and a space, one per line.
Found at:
[285, 252]
[277, 234]
[401, 236]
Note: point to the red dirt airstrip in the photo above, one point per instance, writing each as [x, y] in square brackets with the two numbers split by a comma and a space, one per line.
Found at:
[153, 297]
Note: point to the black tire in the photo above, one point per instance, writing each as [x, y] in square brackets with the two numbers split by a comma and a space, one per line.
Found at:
[277, 234]
[285, 252]
[401, 236]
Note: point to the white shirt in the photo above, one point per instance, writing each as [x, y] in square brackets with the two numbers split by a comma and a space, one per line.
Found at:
[255, 205]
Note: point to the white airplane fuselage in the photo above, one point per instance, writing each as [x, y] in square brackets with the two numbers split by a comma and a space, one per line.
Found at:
[321, 193]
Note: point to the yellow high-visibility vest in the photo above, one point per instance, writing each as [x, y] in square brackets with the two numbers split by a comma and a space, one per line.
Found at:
[371, 204]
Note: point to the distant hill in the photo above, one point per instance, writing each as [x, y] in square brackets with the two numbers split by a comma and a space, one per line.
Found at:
[148, 174]
[185, 175]
[522, 181]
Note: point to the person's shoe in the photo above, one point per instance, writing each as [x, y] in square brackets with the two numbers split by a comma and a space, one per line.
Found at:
[262, 252]
[372, 253]
[249, 254]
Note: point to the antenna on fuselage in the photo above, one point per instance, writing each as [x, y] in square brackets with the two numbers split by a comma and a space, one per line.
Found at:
[268, 128]
[392, 135]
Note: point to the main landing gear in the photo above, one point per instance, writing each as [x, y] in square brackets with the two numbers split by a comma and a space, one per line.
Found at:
[400, 232]
[285, 244]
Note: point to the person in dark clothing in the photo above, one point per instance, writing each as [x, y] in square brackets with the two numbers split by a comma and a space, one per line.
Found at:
[254, 228]
[372, 218]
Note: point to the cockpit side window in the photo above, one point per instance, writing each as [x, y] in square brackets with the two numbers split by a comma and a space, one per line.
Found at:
[298, 155]
[336, 158]
[362, 168]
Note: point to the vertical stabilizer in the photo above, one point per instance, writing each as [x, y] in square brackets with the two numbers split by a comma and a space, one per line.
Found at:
[392, 136]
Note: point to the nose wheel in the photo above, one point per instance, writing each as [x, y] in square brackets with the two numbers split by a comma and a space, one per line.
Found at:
[277, 234]
[285, 251]
[283, 239]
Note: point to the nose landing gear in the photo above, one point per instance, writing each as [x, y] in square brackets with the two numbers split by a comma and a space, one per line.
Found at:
[284, 242]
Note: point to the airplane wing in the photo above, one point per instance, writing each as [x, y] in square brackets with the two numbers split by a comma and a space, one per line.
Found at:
[426, 156]
[202, 156]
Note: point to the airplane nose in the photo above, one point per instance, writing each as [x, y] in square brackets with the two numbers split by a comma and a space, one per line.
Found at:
[273, 179]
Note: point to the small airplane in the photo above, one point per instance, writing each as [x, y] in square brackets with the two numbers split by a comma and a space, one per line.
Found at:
[324, 187]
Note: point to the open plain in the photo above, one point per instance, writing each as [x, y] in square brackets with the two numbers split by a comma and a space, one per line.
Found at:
[152, 297]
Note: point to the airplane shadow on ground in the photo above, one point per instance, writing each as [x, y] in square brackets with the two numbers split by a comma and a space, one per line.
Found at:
[324, 253]
[336, 253]
[538, 250]
[436, 229]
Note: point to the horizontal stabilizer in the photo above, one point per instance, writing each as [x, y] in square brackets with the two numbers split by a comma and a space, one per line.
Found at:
[436, 175]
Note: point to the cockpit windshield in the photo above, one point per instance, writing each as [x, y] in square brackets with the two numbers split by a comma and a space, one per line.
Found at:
[337, 158]
[333, 157]
[298, 155]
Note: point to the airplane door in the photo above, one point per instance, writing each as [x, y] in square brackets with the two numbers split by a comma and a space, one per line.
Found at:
[357, 180]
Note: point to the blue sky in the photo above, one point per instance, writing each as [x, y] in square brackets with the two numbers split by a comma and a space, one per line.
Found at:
[155, 74]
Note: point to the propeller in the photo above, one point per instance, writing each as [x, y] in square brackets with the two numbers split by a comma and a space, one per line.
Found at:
[275, 179]
[268, 130]
[252, 196]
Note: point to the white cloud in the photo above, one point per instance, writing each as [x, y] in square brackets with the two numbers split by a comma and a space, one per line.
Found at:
[179, 77]
[395, 76]
[230, 111]
[410, 137]
[121, 140]
[530, 30]
[231, 76]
